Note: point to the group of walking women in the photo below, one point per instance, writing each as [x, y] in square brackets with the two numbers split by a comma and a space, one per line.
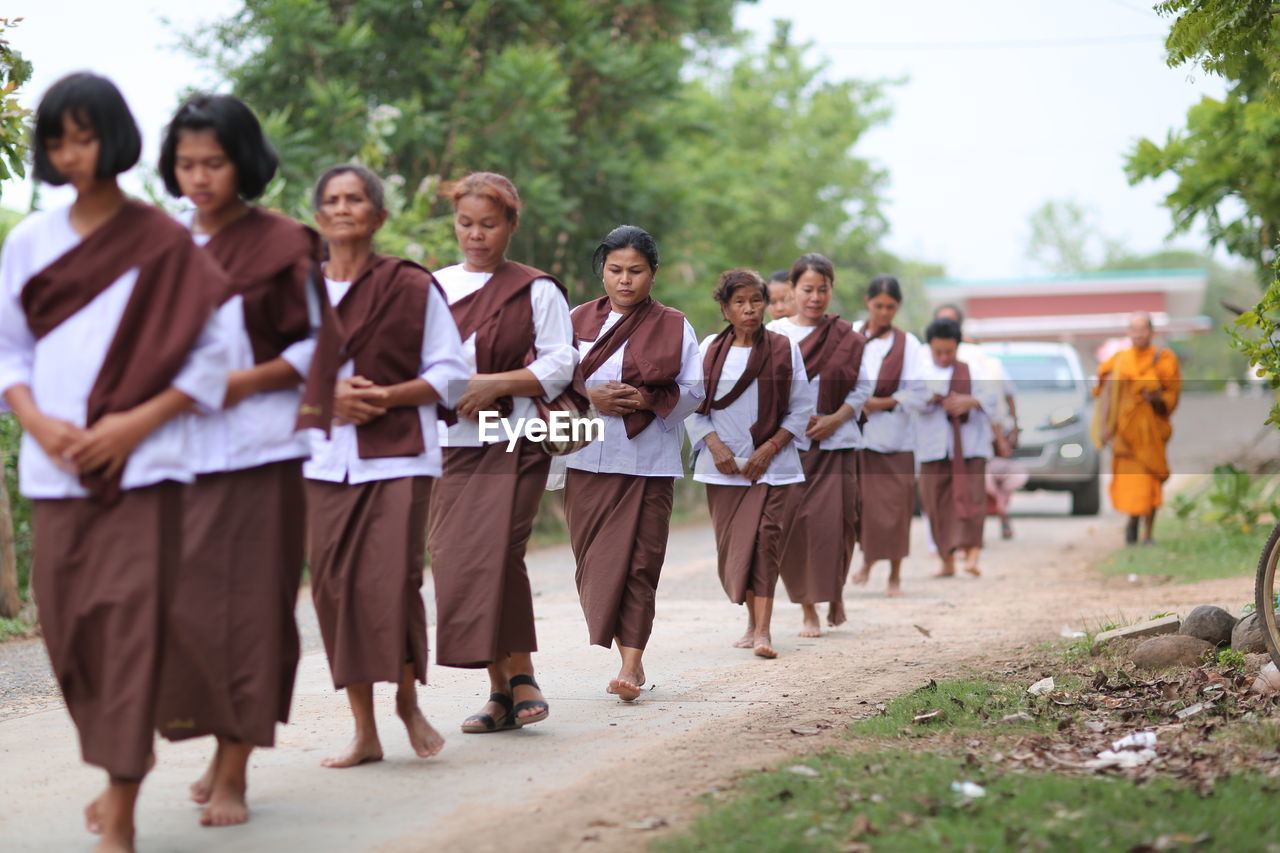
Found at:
[210, 401]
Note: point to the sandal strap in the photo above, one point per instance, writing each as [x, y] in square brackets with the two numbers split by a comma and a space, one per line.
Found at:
[532, 704]
[524, 681]
[501, 699]
[483, 719]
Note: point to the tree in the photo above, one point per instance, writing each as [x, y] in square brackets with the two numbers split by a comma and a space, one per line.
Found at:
[1227, 158]
[570, 98]
[1065, 238]
[762, 170]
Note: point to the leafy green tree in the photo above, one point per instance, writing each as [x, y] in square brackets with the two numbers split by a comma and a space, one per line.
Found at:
[1065, 238]
[14, 73]
[1227, 158]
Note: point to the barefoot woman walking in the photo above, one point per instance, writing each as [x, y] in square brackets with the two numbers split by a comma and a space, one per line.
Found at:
[820, 528]
[644, 375]
[518, 344]
[757, 406]
[369, 483]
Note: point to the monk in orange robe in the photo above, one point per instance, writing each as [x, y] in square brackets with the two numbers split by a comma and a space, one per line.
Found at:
[1138, 390]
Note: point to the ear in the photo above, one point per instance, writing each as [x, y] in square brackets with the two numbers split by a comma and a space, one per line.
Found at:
[382, 218]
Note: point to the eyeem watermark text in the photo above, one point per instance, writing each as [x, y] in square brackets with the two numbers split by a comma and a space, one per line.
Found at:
[561, 427]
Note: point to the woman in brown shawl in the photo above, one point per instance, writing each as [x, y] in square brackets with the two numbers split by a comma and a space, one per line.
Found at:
[640, 361]
[518, 344]
[820, 528]
[886, 463]
[757, 407]
[369, 483]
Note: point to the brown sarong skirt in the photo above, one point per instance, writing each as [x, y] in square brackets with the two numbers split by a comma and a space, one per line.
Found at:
[820, 528]
[102, 577]
[482, 513]
[888, 490]
[231, 646]
[366, 549]
[618, 526]
[748, 525]
[950, 531]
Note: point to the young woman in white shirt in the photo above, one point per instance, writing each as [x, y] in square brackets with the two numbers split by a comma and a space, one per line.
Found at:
[745, 432]
[643, 373]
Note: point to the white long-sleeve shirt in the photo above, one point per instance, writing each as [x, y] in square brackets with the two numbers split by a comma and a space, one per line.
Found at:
[259, 429]
[934, 437]
[892, 431]
[337, 458]
[848, 436]
[655, 451]
[62, 367]
[555, 353]
[733, 423]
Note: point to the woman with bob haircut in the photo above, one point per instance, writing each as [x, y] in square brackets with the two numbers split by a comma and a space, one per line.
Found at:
[518, 341]
[820, 529]
[107, 334]
[232, 640]
[746, 433]
[886, 463]
[368, 484]
[640, 360]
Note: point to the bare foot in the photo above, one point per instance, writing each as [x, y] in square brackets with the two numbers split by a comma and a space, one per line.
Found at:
[812, 626]
[861, 576]
[357, 753]
[974, 570]
[93, 815]
[747, 640]
[423, 737]
[624, 688]
[948, 569]
[835, 613]
[202, 789]
[895, 588]
[114, 844]
[764, 647]
[227, 806]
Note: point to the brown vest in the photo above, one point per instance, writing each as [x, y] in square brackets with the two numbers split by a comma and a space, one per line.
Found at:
[176, 291]
[770, 361]
[271, 261]
[500, 315]
[652, 361]
[383, 319]
[890, 376]
[961, 383]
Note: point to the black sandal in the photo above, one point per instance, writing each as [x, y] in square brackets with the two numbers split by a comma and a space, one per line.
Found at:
[544, 710]
[483, 724]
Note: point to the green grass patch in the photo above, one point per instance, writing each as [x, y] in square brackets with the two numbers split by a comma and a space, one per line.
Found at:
[903, 801]
[12, 629]
[963, 705]
[1189, 552]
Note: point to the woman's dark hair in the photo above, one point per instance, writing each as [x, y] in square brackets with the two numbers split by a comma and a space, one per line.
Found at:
[944, 328]
[92, 102]
[812, 261]
[372, 184]
[953, 308]
[779, 277]
[734, 280]
[626, 237]
[238, 132]
[885, 284]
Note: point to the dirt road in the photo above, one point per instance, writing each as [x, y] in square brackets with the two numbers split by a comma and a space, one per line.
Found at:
[598, 770]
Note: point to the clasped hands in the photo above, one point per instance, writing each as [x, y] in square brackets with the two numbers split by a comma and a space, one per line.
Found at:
[358, 401]
[725, 462]
[102, 448]
[618, 399]
[955, 405]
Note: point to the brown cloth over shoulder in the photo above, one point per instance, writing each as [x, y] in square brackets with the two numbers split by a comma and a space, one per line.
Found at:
[770, 362]
[500, 315]
[966, 505]
[382, 319]
[271, 262]
[833, 353]
[890, 376]
[177, 289]
[651, 363]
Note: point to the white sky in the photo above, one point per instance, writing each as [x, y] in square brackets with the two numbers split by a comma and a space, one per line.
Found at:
[1008, 103]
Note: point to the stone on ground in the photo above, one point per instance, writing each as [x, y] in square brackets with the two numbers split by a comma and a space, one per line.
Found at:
[1163, 625]
[1170, 650]
[1247, 636]
[1209, 623]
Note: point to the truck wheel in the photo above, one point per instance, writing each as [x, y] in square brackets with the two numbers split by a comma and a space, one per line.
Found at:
[1086, 499]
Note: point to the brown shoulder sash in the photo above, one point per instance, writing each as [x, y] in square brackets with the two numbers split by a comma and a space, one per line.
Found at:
[833, 353]
[770, 362]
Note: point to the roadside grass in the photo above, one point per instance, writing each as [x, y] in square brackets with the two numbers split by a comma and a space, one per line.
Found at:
[899, 800]
[1190, 552]
[17, 628]
[958, 706]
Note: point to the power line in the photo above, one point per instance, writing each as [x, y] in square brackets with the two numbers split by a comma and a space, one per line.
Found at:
[1086, 41]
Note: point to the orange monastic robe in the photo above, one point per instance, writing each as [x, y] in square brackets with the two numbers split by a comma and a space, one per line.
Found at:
[1139, 431]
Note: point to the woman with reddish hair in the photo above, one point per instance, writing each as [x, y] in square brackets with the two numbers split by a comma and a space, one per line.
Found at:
[518, 343]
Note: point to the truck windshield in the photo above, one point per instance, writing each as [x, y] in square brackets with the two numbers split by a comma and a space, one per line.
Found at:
[1038, 372]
